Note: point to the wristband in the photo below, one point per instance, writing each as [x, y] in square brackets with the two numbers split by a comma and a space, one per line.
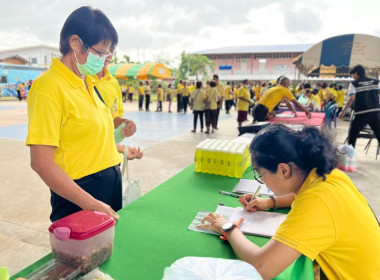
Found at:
[274, 200]
[224, 234]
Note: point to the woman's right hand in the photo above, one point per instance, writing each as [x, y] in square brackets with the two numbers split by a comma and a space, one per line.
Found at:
[105, 208]
[258, 204]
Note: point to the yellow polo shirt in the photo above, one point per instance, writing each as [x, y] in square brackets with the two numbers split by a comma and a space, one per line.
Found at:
[340, 94]
[198, 95]
[109, 89]
[220, 88]
[169, 93]
[131, 89]
[320, 94]
[274, 95]
[179, 88]
[228, 92]
[314, 99]
[63, 114]
[212, 93]
[331, 222]
[146, 90]
[241, 104]
[160, 94]
[191, 88]
[140, 90]
[258, 92]
[236, 92]
[185, 91]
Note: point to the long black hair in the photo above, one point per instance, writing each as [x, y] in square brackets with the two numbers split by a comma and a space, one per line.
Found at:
[306, 148]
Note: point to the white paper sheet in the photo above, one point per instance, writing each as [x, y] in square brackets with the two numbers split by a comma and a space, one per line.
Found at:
[250, 186]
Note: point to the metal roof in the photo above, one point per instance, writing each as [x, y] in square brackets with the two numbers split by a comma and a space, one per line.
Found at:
[258, 49]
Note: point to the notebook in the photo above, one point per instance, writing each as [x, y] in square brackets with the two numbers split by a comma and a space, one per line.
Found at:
[250, 186]
[260, 223]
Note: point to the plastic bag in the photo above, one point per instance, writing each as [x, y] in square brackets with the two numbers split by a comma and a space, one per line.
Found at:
[347, 158]
[197, 268]
[131, 187]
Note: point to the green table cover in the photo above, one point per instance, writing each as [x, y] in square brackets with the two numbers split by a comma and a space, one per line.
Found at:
[151, 233]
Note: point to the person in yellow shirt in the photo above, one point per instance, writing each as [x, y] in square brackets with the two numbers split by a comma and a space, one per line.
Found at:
[185, 93]
[211, 107]
[273, 97]
[131, 91]
[70, 129]
[333, 92]
[221, 97]
[160, 98]
[229, 98]
[147, 96]
[243, 103]
[191, 87]
[20, 87]
[236, 92]
[179, 96]
[340, 95]
[313, 104]
[258, 91]
[330, 221]
[197, 105]
[169, 96]
[140, 91]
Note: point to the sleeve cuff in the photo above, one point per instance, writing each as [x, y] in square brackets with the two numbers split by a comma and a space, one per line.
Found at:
[304, 250]
[42, 141]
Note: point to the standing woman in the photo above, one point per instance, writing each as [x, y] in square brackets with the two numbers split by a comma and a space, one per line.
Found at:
[170, 96]
[197, 105]
[211, 107]
[70, 130]
[147, 96]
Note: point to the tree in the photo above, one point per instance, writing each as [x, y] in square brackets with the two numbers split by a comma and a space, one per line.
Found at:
[194, 64]
[115, 59]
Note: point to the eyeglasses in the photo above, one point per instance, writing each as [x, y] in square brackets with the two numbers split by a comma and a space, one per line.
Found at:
[257, 176]
[102, 56]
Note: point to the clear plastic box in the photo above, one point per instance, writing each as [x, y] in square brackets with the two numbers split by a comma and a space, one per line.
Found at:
[83, 239]
[54, 270]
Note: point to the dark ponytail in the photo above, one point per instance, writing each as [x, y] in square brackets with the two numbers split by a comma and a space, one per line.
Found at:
[307, 149]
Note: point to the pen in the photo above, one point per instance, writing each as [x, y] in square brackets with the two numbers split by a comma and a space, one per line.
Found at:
[229, 194]
[256, 192]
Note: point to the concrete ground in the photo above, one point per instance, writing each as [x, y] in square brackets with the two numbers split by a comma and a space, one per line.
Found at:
[168, 148]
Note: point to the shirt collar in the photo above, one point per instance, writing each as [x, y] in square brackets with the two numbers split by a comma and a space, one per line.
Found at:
[310, 179]
[66, 73]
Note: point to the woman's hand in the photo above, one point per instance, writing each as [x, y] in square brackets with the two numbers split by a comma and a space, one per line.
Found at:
[105, 208]
[134, 153]
[215, 222]
[258, 204]
[129, 128]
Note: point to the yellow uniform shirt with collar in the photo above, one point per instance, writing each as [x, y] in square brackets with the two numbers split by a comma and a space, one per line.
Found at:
[191, 88]
[274, 95]
[160, 94]
[228, 92]
[314, 99]
[258, 92]
[140, 90]
[169, 93]
[64, 114]
[212, 94]
[179, 88]
[340, 95]
[331, 222]
[220, 88]
[185, 91]
[236, 92]
[241, 104]
[131, 89]
[146, 90]
[327, 94]
[109, 89]
[198, 95]
[320, 94]
[20, 87]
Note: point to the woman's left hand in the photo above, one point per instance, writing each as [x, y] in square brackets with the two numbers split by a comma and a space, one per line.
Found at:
[134, 153]
[216, 222]
[129, 128]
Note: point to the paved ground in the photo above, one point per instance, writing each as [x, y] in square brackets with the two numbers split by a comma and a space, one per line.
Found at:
[168, 147]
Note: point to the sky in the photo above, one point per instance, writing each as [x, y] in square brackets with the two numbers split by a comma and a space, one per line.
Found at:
[150, 29]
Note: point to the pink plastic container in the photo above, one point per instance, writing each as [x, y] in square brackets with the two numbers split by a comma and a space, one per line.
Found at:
[84, 239]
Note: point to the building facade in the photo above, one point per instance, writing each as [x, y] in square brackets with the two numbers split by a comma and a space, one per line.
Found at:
[40, 55]
[256, 63]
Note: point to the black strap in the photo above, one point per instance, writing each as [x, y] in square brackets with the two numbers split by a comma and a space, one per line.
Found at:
[100, 97]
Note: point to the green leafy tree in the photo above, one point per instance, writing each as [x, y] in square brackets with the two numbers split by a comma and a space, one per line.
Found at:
[194, 64]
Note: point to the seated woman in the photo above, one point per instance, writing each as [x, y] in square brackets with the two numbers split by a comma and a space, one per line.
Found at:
[330, 221]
